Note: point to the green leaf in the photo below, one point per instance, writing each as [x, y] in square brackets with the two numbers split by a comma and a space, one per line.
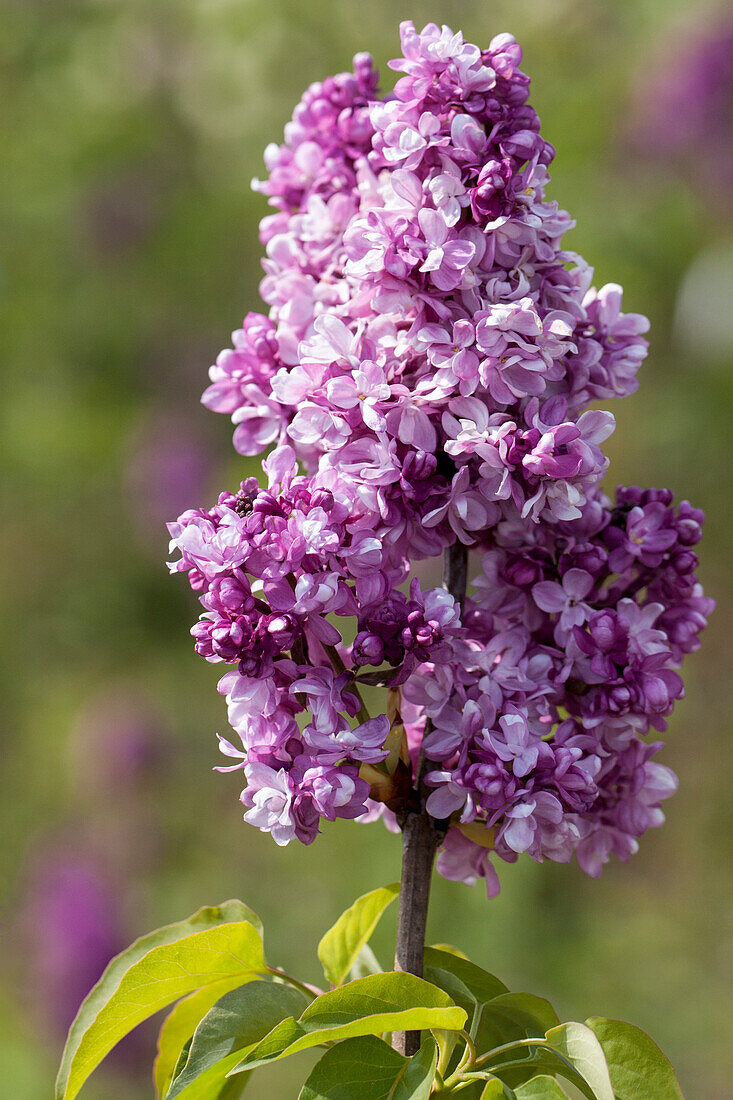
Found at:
[466, 984]
[462, 996]
[236, 1022]
[483, 986]
[514, 1016]
[541, 1088]
[232, 1089]
[472, 1091]
[182, 1058]
[340, 947]
[581, 1047]
[518, 1071]
[495, 1090]
[449, 1044]
[367, 1006]
[368, 1069]
[636, 1065]
[419, 1073]
[180, 1024]
[450, 949]
[366, 962]
[214, 944]
[453, 986]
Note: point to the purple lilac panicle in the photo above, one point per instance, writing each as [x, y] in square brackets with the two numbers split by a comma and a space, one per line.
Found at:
[424, 374]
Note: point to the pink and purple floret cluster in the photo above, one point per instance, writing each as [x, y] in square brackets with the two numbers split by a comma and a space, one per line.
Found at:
[423, 377]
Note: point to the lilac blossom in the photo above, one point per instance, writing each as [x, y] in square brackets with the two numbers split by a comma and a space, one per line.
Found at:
[565, 599]
[424, 375]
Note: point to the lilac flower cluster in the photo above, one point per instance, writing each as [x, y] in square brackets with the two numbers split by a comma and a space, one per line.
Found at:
[422, 308]
[428, 360]
[274, 567]
[574, 635]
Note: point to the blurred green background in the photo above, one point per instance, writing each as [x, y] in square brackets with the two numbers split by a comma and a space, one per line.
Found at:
[130, 132]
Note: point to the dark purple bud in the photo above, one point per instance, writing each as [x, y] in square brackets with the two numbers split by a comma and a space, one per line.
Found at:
[685, 561]
[620, 698]
[229, 594]
[609, 633]
[418, 465]
[322, 498]
[368, 649]
[524, 570]
[268, 505]
[588, 556]
[280, 630]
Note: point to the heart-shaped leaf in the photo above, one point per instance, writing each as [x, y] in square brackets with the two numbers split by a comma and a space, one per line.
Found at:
[340, 947]
[214, 944]
[368, 1069]
[636, 1065]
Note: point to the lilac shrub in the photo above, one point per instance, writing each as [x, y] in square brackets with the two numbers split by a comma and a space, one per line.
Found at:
[680, 114]
[74, 913]
[424, 377]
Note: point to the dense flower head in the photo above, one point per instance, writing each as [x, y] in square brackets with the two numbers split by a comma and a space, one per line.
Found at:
[421, 303]
[424, 375]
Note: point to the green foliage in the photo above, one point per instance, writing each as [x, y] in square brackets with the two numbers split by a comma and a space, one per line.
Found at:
[482, 985]
[214, 944]
[540, 1088]
[580, 1046]
[636, 1065]
[237, 1014]
[366, 1006]
[370, 1069]
[341, 945]
[494, 1090]
[179, 1026]
[238, 1021]
[511, 1016]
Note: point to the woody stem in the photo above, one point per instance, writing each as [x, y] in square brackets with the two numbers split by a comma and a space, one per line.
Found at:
[421, 836]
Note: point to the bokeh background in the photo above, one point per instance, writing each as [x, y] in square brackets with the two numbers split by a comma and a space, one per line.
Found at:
[130, 131]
